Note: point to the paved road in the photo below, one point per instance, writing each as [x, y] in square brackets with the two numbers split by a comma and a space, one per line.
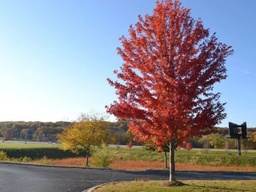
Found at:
[27, 178]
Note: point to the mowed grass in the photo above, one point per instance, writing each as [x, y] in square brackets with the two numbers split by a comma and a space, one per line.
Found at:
[193, 185]
[27, 145]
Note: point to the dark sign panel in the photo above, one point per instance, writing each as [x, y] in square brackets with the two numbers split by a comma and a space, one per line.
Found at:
[238, 131]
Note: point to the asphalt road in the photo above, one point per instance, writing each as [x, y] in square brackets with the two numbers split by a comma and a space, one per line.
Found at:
[28, 178]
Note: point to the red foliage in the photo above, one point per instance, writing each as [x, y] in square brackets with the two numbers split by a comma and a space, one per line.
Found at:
[165, 85]
[186, 145]
[129, 144]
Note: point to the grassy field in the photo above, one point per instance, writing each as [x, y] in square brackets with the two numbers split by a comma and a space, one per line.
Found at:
[196, 157]
[26, 145]
[193, 185]
[193, 157]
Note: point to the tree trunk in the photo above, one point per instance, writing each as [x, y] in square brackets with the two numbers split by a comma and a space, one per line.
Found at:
[87, 159]
[165, 160]
[172, 162]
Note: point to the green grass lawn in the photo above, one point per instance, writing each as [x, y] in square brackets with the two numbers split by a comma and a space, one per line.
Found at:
[193, 185]
[27, 145]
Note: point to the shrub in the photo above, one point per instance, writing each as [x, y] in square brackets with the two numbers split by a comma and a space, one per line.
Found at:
[26, 159]
[38, 153]
[3, 156]
[103, 158]
[44, 161]
[129, 144]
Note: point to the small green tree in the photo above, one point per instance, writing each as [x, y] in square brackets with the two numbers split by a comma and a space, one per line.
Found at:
[205, 141]
[251, 141]
[217, 141]
[103, 158]
[82, 135]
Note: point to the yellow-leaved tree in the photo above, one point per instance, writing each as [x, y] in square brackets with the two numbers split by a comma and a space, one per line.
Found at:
[89, 130]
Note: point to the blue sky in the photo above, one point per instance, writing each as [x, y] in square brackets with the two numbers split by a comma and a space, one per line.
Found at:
[55, 55]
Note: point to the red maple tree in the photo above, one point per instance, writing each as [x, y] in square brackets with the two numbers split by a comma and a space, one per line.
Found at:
[165, 85]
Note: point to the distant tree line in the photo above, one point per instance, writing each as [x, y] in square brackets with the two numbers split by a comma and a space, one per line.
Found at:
[117, 133]
[220, 139]
[31, 131]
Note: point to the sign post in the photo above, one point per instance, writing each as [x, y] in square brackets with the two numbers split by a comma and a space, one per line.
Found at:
[238, 132]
